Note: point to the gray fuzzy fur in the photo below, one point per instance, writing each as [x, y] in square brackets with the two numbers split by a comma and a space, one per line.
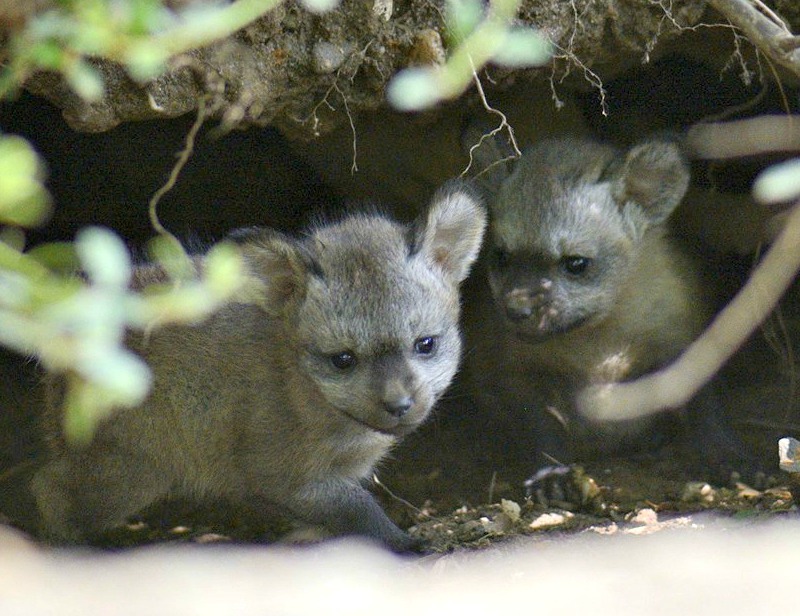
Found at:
[248, 404]
[636, 306]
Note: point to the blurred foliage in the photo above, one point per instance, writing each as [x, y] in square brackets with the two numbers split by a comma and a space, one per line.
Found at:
[74, 323]
[779, 183]
[478, 33]
[70, 304]
[139, 34]
[24, 201]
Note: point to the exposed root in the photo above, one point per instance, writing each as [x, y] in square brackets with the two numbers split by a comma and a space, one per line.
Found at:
[183, 158]
[354, 166]
[504, 125]
[764, 29]
[567, 54]
[313, 117]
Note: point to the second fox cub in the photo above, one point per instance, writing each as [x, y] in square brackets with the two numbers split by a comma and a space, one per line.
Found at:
[585, 286]
[289, 401]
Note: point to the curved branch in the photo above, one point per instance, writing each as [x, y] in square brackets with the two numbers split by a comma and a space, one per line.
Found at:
[676, 384]
[748, 137]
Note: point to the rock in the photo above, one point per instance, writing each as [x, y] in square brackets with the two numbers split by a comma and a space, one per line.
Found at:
[326, 57]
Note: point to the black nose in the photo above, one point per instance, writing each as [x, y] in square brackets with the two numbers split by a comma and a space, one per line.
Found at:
[518, 313]
[519, 303]
[399, 407]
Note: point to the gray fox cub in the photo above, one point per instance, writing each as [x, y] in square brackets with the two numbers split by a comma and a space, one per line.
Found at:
[288, 402]
[584, 287]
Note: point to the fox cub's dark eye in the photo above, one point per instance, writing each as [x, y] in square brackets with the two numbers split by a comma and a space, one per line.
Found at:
[344, 360]
[575, 265]
[425, 346]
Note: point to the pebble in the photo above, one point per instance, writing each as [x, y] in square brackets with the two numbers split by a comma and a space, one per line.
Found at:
[548, 519]
[326, 57]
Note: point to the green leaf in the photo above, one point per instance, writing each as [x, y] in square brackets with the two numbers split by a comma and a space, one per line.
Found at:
[463, 16]
[86, 81]
[320, 6]
[80, 416]
[224, 270]
[23, 199]
[16, 291]
[52, 25]
[56, 256]
[85, 405]
[169, 254]
[121, 373]
[523, 47]
[14, 329]
[48, 55]
[18, 163]
[146, 60]
[189, 303]
[778, 183]
[147, 16]
[104, 257]
[414, 88]
[29, 211]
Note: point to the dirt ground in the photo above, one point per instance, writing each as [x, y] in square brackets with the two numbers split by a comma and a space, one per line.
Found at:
[636, 533]
[458, 500]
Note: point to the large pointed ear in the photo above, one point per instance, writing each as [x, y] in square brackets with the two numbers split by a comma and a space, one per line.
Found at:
[654, 176]
[278, 265]
[491, 156]
[450, 235]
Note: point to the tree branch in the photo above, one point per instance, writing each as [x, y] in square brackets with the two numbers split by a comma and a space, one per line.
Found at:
[749, 137]
[676, 384]
[772, 38]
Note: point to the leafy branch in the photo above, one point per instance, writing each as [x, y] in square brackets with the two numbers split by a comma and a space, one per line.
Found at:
[75, 325]
[141, 35]
[479, 38]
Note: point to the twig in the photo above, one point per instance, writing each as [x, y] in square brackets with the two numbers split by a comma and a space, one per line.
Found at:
[183, 158]
[354, 166]
[503, 125]
[749, 137]
[771, 14]
[394, 496]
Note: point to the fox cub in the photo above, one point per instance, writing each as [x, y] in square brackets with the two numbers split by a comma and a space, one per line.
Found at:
[285, 403]
[582, 286]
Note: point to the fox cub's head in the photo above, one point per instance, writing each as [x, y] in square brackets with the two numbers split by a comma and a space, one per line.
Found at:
[371, 307]
[568, 223]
